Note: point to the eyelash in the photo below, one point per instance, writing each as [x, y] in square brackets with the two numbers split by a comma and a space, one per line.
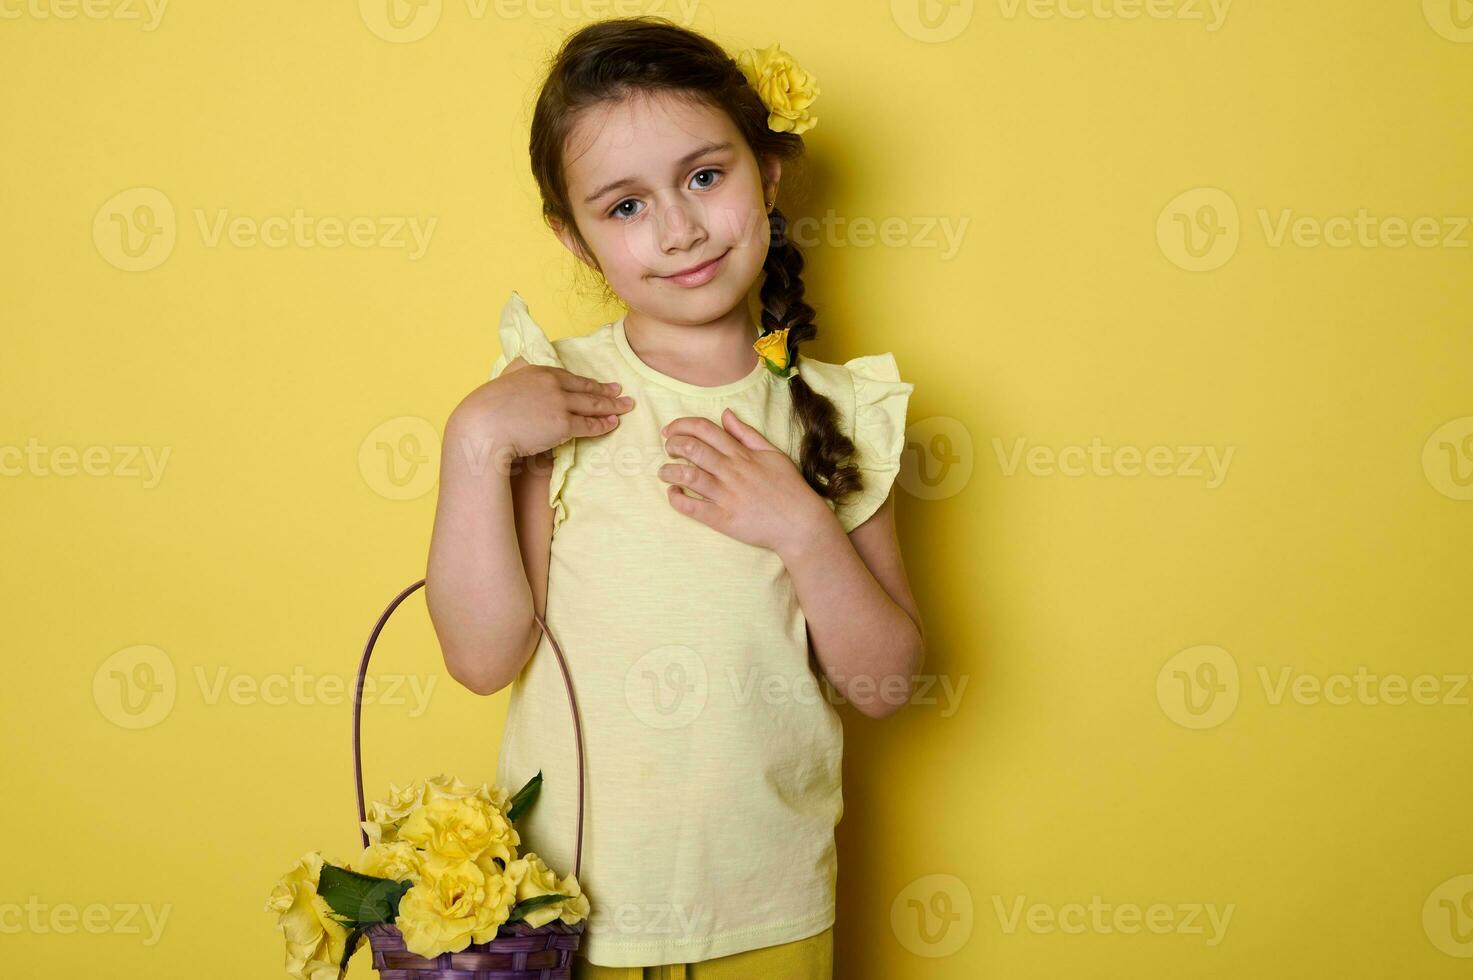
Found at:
[613, 211]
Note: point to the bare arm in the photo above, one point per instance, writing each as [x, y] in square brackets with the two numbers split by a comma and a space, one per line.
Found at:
[863, 623]
[492, 538]
[488, 565]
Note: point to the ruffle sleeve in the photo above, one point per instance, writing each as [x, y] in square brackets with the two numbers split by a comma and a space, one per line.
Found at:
[522, 337]
[878, 432]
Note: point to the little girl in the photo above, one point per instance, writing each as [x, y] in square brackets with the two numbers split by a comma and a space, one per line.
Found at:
[697, 602]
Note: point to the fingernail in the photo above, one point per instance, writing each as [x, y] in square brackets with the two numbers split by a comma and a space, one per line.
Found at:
[616, 386]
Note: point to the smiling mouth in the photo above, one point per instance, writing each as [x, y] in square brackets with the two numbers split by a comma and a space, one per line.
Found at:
[693, 270]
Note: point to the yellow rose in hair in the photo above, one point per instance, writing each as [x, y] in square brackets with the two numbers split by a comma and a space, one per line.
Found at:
[453, 906]
[468, 829]
[315, 942]
[773, 349]
[533, 878]
[786, 89]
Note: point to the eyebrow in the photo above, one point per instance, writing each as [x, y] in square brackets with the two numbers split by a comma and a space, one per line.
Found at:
[684, 161]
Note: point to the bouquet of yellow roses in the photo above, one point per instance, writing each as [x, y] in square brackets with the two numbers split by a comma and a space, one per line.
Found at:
[441, 871]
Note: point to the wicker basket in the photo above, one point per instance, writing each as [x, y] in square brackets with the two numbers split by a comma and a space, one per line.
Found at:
[519, 951]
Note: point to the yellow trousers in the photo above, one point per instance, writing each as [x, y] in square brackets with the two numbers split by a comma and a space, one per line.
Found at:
[804, 959]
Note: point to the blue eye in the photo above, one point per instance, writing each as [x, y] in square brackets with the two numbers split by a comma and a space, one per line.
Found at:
[708, 170]
[624, 215]
[614, 212]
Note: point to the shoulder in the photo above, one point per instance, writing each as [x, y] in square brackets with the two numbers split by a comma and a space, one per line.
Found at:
[521, 335]
[856, 383]
[871, 400]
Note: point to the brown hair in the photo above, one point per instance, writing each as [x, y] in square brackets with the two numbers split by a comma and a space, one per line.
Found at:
[611, 59]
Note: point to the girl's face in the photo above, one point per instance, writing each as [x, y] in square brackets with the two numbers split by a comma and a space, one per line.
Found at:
[659, 186]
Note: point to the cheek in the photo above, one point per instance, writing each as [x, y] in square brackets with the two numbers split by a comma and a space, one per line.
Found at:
[739, 220]
[622, 249]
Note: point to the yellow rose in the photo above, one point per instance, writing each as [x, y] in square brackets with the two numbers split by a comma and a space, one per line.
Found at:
[453, 906]
[533, 877]
[396, 860]
[773, 348]
[786, 89]
[315, 942]
[385, 816]
[456, 830]
[451, 788]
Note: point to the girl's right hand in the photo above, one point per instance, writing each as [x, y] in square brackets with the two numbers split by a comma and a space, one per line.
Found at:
[532, 408]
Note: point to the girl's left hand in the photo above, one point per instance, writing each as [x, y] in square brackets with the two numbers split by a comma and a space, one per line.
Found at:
[753, 491]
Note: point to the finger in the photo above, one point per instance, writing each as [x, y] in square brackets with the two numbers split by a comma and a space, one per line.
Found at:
[589, 403]
[578, 382]
[705, 430]
[743, 432]
[702, 510]
[590, 425]
[698, 452]
[689, 475]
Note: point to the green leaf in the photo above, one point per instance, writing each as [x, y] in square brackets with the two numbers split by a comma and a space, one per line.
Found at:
[522, 908]
[348, 951]
[525, 797]
[360, 899]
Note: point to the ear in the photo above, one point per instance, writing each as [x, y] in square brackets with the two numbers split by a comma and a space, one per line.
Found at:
[565, 235]
[772, 172]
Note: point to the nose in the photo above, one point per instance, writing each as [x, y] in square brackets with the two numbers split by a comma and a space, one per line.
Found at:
[681, 227]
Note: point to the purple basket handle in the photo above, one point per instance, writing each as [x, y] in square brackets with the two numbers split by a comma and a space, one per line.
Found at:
[358, 716]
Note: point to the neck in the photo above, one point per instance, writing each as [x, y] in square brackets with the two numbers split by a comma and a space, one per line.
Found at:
[714, 353]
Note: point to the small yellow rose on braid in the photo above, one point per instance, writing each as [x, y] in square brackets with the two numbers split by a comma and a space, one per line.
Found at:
[773, 349]
[786, 89]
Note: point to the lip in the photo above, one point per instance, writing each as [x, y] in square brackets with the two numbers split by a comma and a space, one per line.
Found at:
[699, 274]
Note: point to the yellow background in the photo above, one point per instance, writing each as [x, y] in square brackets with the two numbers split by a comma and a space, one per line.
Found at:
[1339, 538]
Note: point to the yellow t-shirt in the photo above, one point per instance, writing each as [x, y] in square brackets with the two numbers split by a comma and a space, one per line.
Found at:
[712, 750]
